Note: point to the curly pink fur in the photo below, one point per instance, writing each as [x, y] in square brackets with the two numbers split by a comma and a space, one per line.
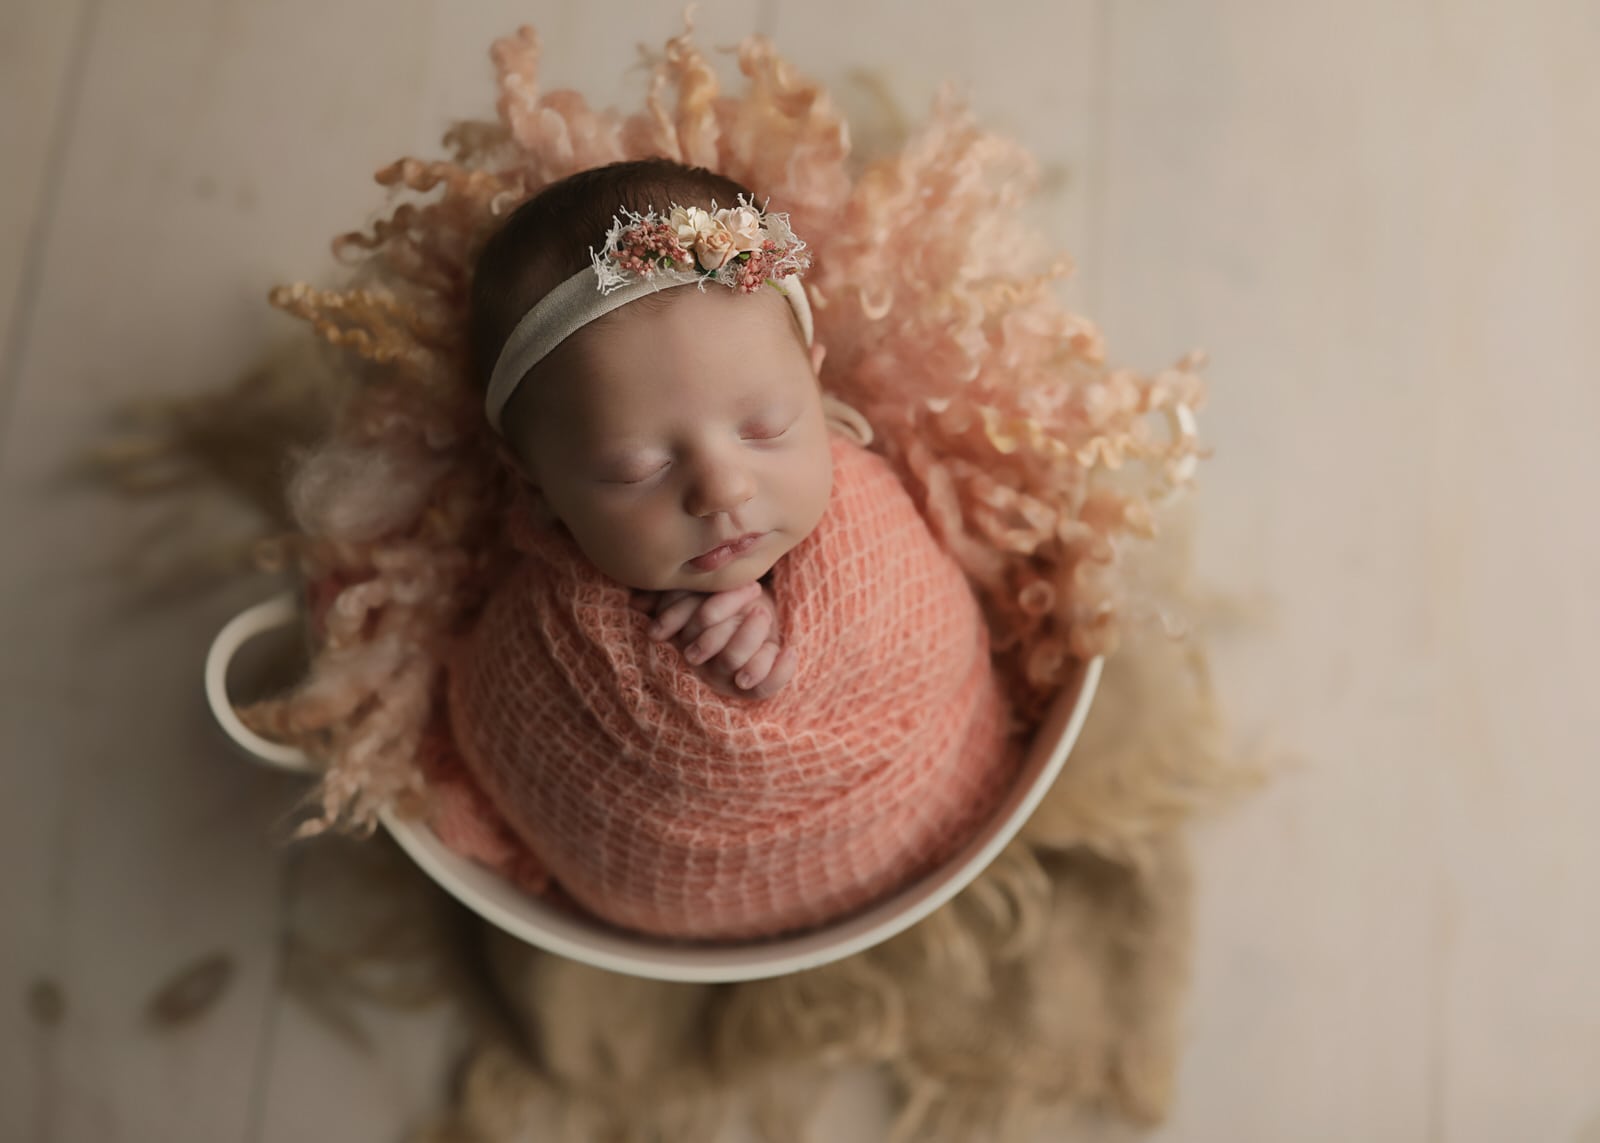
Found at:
[991, 400]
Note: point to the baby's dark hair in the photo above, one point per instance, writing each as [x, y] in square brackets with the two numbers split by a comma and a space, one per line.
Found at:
[547, 239]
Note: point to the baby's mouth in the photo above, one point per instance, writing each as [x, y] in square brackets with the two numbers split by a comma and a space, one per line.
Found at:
[716, 557]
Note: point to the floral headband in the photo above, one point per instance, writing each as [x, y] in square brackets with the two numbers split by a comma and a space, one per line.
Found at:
[741, 247]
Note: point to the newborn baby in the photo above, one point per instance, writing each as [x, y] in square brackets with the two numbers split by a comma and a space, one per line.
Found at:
[681, 441]
[733, 688]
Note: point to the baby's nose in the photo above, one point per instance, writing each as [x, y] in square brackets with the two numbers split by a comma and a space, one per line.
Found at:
[719, 488]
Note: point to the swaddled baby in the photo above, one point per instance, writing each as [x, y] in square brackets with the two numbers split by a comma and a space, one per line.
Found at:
[733, 688]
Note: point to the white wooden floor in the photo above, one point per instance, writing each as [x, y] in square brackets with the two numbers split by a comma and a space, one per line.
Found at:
[1378, 216]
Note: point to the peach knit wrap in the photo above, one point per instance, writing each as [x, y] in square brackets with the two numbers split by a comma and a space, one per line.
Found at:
[663, 806]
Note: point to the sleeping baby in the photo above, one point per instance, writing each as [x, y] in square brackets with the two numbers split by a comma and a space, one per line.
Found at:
[732, 687]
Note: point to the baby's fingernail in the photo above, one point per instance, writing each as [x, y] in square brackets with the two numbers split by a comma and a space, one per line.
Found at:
[744, 679]
[694, 654]
[656, 630]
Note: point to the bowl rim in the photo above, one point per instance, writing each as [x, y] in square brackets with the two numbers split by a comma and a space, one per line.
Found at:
[595, 943]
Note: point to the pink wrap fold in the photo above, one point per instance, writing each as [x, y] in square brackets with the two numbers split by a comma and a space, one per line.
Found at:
[662, 806]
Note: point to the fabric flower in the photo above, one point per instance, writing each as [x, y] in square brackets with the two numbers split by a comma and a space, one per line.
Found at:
[733, 246]
[688, 222]
[715, 246]
[744, 223]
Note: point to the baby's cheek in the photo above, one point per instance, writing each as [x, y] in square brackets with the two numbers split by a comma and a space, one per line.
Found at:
[644, 554]
[821, 490]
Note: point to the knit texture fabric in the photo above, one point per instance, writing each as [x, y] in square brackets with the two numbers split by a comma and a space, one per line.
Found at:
[662, 806]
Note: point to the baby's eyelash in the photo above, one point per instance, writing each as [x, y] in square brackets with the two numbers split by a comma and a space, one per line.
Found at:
[639, 480]
[762, 432]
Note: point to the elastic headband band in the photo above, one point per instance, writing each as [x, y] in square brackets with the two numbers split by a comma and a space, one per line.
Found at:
[574, 304]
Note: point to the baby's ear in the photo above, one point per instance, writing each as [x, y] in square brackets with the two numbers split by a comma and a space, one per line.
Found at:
[818, 352]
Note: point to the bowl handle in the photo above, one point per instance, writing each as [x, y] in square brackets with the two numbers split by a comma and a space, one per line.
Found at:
[279, 611]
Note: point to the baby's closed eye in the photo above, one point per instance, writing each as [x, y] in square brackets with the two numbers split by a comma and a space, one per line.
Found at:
[768, 427]
[633, 476]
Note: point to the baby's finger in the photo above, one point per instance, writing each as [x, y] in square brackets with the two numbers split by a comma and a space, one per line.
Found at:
[783, 670]
[747, 640]
[671, 617]
[665, 599]
[712, 640]
[726, 604]
[759, 666]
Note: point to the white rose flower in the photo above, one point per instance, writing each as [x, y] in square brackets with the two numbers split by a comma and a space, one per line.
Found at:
[744, 223]
[688, 223]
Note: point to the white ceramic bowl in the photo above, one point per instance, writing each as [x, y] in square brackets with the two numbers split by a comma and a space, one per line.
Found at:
[595, 943]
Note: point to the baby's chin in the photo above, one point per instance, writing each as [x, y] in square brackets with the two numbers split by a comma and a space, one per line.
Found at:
[727, 579]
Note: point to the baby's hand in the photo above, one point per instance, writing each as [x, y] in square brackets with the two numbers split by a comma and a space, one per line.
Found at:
[730, 635]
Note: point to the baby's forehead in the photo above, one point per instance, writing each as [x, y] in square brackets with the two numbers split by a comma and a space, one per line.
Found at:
[743, 336]
[760, 311]
[666, 393]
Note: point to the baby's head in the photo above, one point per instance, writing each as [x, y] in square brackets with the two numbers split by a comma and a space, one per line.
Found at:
[679, 421]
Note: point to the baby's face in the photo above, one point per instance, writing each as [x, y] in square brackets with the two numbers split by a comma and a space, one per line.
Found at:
[675, 430]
